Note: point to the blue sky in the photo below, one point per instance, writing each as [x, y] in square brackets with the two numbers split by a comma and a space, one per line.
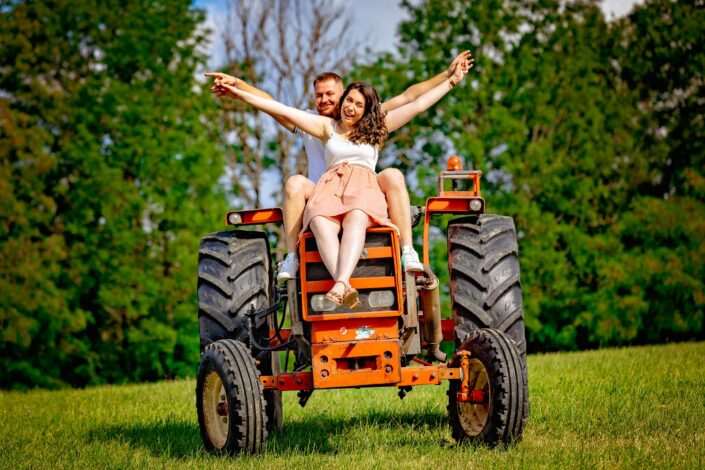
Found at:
[377, 20]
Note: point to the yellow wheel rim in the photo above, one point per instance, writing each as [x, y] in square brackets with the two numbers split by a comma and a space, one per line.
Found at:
[215, 410]
[473, 416]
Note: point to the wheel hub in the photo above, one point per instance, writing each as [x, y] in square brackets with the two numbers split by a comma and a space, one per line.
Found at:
[222, 408]
[215, 410]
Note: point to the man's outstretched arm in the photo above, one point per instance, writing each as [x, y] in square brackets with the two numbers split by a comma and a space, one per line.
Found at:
[225, 79]
[414, 91]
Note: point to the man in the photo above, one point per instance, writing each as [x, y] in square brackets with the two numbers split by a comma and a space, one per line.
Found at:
[328, 88]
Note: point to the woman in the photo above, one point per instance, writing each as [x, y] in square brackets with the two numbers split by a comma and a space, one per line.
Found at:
[347, 196]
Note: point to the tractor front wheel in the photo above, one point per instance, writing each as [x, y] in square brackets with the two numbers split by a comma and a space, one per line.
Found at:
[497, 401]
[230, 399]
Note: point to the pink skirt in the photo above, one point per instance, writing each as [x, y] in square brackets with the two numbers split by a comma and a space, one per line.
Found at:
[345, 187]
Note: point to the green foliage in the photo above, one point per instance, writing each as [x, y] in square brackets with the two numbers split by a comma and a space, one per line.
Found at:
[107, 179]
[590, 134]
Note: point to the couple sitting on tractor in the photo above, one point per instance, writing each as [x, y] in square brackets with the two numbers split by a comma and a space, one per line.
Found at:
[342, 140]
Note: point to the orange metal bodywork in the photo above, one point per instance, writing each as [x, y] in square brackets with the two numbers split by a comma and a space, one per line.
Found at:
[451, 202]
[465, 392]
[427, 375]
[256, 216]
[386, 282]
[410, 377]
[353, 329]
[355, 363]
[288, 381]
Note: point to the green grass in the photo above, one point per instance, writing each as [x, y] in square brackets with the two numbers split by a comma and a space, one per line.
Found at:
[638, 407]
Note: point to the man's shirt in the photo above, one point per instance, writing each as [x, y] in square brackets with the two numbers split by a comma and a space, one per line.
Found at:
[315, 151]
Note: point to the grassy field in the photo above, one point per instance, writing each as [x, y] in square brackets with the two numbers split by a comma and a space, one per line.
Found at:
[626, 408]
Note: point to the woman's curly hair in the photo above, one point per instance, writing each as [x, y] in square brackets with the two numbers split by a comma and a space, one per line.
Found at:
[370, 129]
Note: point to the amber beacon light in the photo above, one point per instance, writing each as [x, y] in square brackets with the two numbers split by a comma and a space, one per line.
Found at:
[454, 164]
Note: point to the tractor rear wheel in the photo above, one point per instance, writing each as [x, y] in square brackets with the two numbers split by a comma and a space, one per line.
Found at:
[499, 407]
[230, 399]
[234, 276]
[484, 277]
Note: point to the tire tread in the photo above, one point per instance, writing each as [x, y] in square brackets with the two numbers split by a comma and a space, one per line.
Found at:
[485, 277]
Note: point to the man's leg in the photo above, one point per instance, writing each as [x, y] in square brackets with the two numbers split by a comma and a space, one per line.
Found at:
[297, 190]
[392, 183]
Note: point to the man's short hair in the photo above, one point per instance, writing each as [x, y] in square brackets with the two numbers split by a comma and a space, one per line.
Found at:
[328, 76]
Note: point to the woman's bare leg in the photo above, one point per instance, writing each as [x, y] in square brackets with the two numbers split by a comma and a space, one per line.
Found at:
[326, 232]
[355, 225]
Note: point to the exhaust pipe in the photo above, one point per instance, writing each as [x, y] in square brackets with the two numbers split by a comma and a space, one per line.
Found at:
[431, 305]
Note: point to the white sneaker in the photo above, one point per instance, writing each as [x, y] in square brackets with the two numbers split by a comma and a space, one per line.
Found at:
[410, 260]
[289, 268]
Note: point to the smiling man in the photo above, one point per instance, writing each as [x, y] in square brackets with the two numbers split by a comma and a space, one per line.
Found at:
[328, 88]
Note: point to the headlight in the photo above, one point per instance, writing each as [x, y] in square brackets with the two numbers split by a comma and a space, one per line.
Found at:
[320, 303]
[376, 299]
[381, 299]
[234, 218]
[475, 204]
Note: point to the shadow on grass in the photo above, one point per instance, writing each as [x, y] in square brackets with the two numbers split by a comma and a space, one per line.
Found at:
[322, 434]
[170, 438]
[315, 434]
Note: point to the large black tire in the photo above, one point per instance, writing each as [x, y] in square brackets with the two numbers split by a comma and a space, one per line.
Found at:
[484, 277]
[497, 370]
[234, 275]
[230, 399]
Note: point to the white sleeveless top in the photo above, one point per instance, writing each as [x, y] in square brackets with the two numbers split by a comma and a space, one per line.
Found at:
[339, 150]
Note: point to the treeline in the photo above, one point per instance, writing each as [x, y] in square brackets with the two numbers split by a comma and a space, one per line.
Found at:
[589, 133]
[108, 179]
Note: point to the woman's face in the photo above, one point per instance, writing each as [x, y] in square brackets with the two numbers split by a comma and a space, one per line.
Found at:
[353, 108]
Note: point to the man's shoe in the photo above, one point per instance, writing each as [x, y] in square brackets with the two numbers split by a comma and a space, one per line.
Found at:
[289, 268]
[410, 260]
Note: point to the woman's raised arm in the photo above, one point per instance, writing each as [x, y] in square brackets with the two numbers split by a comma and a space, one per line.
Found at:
[400, 116]
[318, 126]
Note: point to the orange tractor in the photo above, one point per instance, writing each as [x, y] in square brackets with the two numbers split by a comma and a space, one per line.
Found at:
[391, 340]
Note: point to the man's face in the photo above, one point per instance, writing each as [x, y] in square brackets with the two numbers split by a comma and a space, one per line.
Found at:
[327, 94]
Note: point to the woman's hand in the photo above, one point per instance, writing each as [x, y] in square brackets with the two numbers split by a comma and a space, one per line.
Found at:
[231, 91]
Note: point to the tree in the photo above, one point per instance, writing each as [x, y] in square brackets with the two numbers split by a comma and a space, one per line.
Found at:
[278, 46]
[659, 48]
[562, 118]
[108, 178]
